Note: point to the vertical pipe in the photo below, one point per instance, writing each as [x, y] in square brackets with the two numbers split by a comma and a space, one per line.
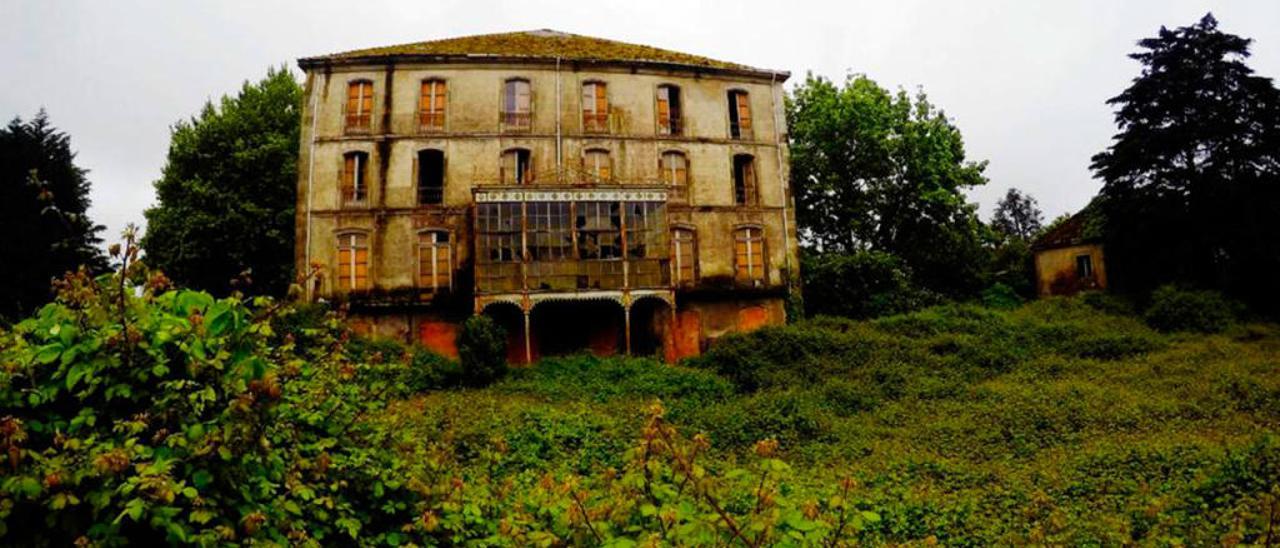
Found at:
[626, 312]
[559, 117]
[528, 348]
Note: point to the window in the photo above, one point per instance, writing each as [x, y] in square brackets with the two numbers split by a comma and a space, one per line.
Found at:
[359, 104]
[748, 255]
[550, 234]
[739, 115]
[430, 177]
[355, 187]
[515, 167]
[683, 255]
[646, 230]
[744, 180]
[435, 260]
[516, 103]
[599, 229]
[353, 261]
[675, 168]
[669, 110]
[498, 232]
[431, 105]
[597, 164]
[1084, 266]
[595, 108]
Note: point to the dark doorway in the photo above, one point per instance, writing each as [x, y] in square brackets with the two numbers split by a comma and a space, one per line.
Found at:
[561, 328]
[430, 177]
[650, 320]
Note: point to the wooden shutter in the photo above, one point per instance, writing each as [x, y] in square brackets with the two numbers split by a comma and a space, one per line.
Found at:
[353, 103]
[349, 178]
[523, 96]
[683, 255]
[664, 109]
[749, 180]
[744, 111]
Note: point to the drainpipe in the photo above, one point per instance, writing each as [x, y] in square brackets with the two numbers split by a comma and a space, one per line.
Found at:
[559, 115]
[311, 177]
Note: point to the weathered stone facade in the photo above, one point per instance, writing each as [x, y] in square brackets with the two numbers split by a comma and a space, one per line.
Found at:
[430, 190]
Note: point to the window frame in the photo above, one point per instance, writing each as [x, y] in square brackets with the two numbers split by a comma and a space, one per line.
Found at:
[363, 119]
[434, 246]
[593, 170]
[436, 111]
[593, 120]
[418, 167]
[676, 249]
[522, 178]
[744, 233]
[674, 121]
[515, 120]
[746, 189]
[356, 191]
[664, 170]
[740, 128]
[1085, 259]
[352, 242]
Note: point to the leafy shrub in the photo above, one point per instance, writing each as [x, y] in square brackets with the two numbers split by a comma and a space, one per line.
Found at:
[482, 351]
[1001, 296]
[1175, 309]
[590, 378]
[860, 285]
[792, 417]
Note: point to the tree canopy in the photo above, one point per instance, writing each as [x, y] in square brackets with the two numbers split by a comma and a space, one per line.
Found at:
[1192, 179]
[882, 171]
[44, 200]
[1017, 216]
[227, 193]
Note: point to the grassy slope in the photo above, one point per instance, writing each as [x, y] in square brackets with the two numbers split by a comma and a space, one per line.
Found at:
[1053, 422]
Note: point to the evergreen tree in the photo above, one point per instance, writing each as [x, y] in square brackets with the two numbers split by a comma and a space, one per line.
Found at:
[227, 193]
[44, 200]
[1192, 180]
[1017, 216]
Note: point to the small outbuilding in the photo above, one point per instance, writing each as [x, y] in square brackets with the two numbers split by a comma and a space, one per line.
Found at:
[1069, 257]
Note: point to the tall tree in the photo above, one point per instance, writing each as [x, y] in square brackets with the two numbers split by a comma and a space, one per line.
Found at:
[882, 171]
[227, 193]
[1017, 216]
[1192, 180]
[44, 201]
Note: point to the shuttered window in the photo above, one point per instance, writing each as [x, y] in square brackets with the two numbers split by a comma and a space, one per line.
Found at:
[683, 255]
[669, 110]
[515, 167]
[739, 115]
[435, 261]
[353, 262]
[597, 164]
[748, 254]
[354, 181]
[744, 179]
[675, 168]
[359, 104]
[595, 108]
[517, 100]
[431, 105]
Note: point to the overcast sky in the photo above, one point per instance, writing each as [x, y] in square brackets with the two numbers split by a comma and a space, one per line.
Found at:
[1025, 80]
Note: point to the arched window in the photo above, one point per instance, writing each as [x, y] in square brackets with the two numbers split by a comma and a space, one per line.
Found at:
[430, 177]
[744, 179]
[431, 105]
[595, 108]
[355, 186]
[597, 164]
[516, 167]
[517, 104]
[675, 168]
[669, 110]
[748, 255]
[684, 255]
[739, 115]
[435, 260]
[359, 104]
[353, 261]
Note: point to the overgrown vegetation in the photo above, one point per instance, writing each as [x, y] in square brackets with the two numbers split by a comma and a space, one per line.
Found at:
[164, 415]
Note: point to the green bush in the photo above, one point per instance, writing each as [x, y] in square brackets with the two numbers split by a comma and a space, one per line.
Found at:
[482, 351]
[860, 285]
[1001, 296]
[586, 377]
[1176, 309]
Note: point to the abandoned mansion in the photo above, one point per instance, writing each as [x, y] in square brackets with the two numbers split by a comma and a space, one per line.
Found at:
[585, 193]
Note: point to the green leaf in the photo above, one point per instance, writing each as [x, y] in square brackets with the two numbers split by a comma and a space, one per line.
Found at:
[77, 372]
[202, 478]
[48, 353]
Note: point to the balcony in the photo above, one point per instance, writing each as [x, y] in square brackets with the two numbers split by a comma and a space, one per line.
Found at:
[570, 239]
[516, 121]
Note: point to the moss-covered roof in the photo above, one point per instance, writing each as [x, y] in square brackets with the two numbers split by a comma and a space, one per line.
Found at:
[1082, 228]
[536, 44]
